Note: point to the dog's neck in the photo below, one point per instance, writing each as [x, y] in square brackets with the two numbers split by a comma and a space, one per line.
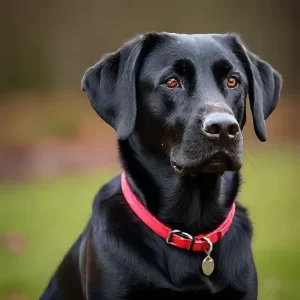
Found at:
[191, 204]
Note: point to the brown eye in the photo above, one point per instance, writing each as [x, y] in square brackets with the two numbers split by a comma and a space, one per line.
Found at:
[172, 83]
[232, 82]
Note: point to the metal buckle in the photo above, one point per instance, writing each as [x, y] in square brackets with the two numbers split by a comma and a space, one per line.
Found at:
[183, 234]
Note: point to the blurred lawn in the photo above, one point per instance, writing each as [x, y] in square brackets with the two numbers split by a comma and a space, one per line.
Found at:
[51, 214]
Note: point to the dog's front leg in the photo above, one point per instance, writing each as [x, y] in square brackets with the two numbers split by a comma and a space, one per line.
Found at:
[252, 293]
[66, 283]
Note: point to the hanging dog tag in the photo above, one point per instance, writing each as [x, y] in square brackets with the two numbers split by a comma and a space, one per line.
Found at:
[208, 263]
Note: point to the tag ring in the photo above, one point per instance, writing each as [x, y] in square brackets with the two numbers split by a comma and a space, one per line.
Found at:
[211, 246]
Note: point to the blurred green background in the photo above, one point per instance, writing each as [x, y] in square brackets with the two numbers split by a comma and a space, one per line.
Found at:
[55, 152]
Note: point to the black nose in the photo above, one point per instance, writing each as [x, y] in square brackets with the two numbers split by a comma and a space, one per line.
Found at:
[219, 125]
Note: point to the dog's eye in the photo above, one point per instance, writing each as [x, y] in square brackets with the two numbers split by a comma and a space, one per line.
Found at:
[232, 82]
[173, 83]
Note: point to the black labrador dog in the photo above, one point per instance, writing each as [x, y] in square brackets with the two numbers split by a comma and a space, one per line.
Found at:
[178, 105]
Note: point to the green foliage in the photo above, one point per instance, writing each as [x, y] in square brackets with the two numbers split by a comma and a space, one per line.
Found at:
[51, 213]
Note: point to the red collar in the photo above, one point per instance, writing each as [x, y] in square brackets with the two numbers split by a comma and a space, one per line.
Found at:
[175, 237]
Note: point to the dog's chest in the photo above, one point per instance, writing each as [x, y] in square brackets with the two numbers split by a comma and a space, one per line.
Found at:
[174, 295]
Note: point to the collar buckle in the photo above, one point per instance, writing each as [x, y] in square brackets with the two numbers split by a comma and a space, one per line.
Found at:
[180, 234]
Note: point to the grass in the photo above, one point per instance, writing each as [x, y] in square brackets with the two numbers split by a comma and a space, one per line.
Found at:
[53, 212]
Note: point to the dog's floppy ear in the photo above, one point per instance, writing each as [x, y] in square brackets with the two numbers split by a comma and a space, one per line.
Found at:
[111, 86]
[264, 87]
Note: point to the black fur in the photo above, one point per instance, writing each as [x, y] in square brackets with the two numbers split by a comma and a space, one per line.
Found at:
[119, 257]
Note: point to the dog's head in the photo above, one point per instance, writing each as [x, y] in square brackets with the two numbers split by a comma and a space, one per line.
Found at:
[186, 96]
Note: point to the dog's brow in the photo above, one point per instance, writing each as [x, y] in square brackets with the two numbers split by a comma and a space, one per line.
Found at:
[184, 67]
[222, 66]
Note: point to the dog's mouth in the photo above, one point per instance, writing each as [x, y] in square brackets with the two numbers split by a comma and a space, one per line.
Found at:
[217, 163]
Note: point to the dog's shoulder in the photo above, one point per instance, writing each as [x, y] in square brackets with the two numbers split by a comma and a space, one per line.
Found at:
[242, 219]
[108, 205]
[107, 192]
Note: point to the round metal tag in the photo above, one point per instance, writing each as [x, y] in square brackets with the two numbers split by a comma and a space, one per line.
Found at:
[208, 266]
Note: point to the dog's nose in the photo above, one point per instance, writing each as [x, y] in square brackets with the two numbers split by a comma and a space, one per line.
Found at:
[219, 125]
